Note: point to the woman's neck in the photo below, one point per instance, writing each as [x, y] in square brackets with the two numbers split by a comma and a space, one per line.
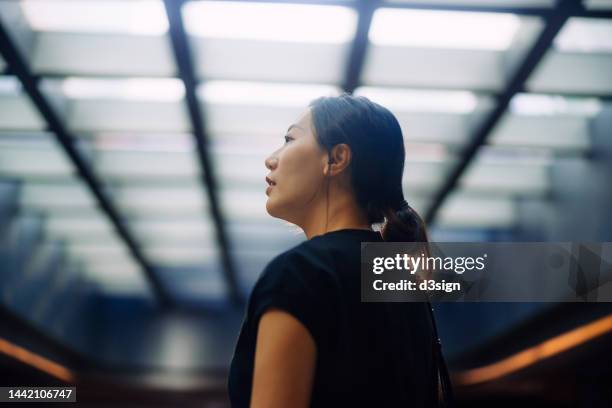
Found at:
[342, 213]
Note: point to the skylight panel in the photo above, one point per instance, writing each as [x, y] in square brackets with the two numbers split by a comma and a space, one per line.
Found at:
[413, 100]
[585, 35]
[443, 29]
[9, 86]
[262, 93]
[139, 17]
[132, 89]
[550, 105]
[270, 22]
[148, 142]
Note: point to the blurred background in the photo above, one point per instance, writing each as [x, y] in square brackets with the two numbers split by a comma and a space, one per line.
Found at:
[132, 208]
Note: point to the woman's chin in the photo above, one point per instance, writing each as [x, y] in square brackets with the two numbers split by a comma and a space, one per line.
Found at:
[274, 210]
[270, 207]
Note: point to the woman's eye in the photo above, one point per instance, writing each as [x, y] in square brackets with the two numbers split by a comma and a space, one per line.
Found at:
[288, 138]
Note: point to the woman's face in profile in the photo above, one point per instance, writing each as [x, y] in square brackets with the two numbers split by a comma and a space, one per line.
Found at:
[296, 172]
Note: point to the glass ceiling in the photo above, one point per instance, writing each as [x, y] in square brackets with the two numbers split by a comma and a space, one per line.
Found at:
[109, 71]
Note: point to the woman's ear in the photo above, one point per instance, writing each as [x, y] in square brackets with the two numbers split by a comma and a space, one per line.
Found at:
[339, 159]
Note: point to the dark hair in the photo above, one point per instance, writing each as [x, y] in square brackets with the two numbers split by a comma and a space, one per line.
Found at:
[377, 145]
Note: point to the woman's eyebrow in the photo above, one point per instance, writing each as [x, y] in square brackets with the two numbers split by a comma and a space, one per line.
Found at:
[293, 126]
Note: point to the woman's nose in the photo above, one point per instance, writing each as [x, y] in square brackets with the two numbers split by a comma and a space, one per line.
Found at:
[271, 162]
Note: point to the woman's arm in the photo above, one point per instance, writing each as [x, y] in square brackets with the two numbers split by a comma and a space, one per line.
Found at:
[285, 359]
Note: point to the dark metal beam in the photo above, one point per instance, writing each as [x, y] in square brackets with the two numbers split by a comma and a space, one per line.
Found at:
[184, 61]
[564, 10]
[594, 14]
[20, 69]
[359, 46]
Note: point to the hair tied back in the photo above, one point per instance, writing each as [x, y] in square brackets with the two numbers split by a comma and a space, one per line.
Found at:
[403, 206]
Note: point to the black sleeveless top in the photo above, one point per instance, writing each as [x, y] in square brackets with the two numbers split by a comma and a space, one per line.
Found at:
[368, 354]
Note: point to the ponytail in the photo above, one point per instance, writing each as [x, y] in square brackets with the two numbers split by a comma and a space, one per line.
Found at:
[404, 224]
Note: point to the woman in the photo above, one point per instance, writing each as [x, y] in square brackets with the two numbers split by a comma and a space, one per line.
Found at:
[307, 339]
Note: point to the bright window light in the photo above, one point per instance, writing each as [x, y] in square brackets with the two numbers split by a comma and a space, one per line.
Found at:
[413, 100]
[426, 152]
[272, 22]
[585, 35]
[443, 29]
[123, 276]
[141, 17]
[170, 142]
[260, 93]
[185, 230]
[148, 165]
[183, 198]
[179, 255]
[486, 3]
[550, 105]
[598, 4]
[78, 227]
[71, 194]
[99, 251]
[514, 156]
[137, 89]
[9, 85]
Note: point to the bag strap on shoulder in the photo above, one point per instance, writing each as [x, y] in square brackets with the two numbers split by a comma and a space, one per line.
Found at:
[444, 386]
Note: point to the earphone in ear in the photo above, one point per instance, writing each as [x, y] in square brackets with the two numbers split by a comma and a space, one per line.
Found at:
[329, 161]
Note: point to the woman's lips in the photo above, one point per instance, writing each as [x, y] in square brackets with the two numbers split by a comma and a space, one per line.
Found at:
[271, 183]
